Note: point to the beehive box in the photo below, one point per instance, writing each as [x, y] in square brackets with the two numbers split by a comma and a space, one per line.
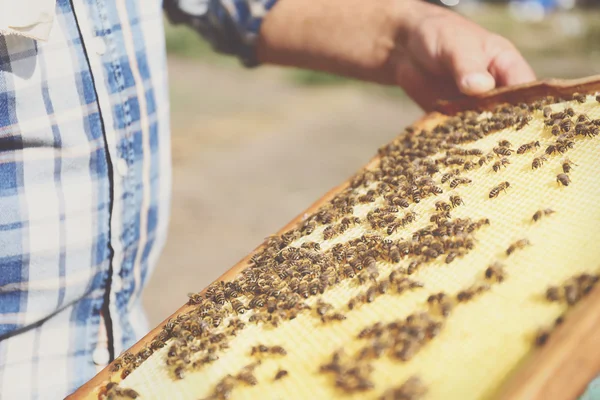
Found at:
[435, 272]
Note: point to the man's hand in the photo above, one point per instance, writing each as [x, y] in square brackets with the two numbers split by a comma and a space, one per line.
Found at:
[431, 52]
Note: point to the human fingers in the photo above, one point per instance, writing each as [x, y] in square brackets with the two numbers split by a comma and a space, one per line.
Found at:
[506, 64]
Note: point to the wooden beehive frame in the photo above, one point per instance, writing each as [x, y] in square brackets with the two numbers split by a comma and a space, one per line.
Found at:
[569, 361]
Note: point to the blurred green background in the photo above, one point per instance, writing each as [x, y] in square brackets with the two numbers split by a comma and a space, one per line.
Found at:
[253, 148]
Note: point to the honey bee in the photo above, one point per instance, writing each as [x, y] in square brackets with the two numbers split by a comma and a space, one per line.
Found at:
[495, 272]
[412, 389]
[328, 233]
[538, 162]
[495, 191]
[456, 200]
[567, 166]
[563, 179]
[442, 206]
[195, 298]
[504, 143]
[547, 111]
[598, 98]
[303, 290]
[447, 176]
[468, 294]
[371, 293]
[333, 317]
[323, 308]
[502, 151]
[541, 337]
[238, 306]
[459, 181]
[566, 125]
[278, 350]
[553, 294]
[540, 213]
[555, 130]
[528, 146]
[482, 161]
[580, 98]
[282, 373]
[519, 244]
[503, 162]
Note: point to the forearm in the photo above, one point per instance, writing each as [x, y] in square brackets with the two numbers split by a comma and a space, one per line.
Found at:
[356, 38]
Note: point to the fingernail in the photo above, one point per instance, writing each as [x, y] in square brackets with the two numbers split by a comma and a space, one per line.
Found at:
[477, 83]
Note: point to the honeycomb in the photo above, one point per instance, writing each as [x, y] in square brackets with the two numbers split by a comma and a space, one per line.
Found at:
[432, 274]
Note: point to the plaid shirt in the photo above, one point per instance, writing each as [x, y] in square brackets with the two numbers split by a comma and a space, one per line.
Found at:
[85, 180]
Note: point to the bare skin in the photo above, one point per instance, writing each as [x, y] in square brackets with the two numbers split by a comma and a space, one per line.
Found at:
[429, 51]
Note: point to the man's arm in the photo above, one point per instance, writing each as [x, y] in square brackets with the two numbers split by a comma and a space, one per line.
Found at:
[431, 52]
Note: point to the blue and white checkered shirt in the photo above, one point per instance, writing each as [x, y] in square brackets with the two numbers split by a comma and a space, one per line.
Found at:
[85, 180]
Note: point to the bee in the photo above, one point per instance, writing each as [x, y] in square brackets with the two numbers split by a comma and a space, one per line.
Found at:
[447, 176]
[598, 98]
[503, 162]
[553, 294]
[443, 303]
[323, 308]
[563, 179]
[219, 296]
[570, 112]
[451, 257]
[312, 245]
[116, 365]
[555, 130]
[551, 149]
[566, 125]
[259, 349]
[125, 373]
[540, 213]
[195, 298]
[328, 233]
[528, 146]
[502, 151]
[348, 271]
[238, 306]
[278, 350]
[371, 293]
[383, 286]
[495, 191]
[547, 111]
[583, 118]
[504, 143]
[572, 294]
[393, 227]
[442, 206]
[333, 317]
[567, 166]
[412, 389]
[468, 294]
[257, 302]
[247, 377]
[496, 272]
[482, 161]
[538, 162]
[456, 200]
[541, 337]
[519, 244]
[459, 181]
[580, 98]
[468, 165]
[282, 373]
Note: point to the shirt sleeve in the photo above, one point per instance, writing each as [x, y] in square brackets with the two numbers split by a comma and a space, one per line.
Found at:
[231, 26]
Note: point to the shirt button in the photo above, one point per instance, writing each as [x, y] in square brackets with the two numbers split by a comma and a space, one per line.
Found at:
[100, 356]
[122, 167]
[99, 45]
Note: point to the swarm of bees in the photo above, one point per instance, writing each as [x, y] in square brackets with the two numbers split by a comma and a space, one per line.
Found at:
[292, 268]
[571, 292]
